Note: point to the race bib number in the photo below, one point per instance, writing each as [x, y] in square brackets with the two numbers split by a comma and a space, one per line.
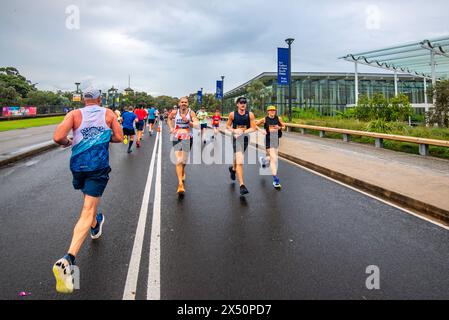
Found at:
[273, 128]
[242, 127]
[183, 134]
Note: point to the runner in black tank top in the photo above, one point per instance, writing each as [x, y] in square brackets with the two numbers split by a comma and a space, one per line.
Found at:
[273, 126]
[240, 123]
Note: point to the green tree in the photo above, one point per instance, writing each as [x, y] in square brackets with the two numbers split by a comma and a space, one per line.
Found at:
[379, 108]
[165, 102]
[258, 94]
[209, 102]
[10, 77]
[440, 113]
[44, 98]
[9, 96]
[400, 108]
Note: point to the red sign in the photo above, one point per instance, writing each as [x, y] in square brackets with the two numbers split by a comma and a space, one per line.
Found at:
[19, 111]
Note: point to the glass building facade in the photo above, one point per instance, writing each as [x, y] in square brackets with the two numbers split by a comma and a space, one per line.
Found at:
[329, 92]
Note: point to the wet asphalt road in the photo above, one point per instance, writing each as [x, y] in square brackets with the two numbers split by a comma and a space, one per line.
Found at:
[312, 240]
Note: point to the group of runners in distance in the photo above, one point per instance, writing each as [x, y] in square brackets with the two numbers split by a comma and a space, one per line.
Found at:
[139, 118]
[95, 127]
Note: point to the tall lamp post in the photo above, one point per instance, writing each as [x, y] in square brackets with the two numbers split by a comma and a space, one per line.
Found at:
[77, 84]
[222, 95]
[289, 42]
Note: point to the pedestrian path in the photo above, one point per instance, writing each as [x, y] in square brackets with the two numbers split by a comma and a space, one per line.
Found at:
[15, 142]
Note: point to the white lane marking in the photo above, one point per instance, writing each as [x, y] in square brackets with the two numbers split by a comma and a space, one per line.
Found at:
[129, 292]
[154, 273]
[369, 195]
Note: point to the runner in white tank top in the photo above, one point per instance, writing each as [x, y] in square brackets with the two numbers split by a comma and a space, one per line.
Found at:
[181, 123]
[90, 145]
[94, 127]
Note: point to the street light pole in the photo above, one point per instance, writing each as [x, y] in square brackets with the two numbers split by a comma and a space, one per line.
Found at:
[289, 42]
[77, 89]
[222, 95]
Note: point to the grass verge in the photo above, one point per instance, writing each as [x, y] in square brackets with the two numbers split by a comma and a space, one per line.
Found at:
[29, 123]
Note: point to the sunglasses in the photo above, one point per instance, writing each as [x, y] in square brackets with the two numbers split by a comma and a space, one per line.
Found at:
[243, 101]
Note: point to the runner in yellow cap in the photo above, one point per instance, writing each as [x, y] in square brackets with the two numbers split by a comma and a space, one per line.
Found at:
[273, 127]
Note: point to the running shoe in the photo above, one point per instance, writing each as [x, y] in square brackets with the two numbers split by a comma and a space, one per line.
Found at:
[96, 232]
[263, 162]
[232, 172]
[138, 144]
[63, 273]
[277, 184]
[243, 190]
[125, 140]
[181, 189]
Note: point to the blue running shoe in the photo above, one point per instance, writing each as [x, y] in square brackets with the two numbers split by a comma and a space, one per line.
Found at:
[95, 233]
[277, 183]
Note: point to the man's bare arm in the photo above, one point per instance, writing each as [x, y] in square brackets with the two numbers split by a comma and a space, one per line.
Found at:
[171, 116]
[117, 132]
[63, 129]
[229, 123]
[195, 122]
[252, 120]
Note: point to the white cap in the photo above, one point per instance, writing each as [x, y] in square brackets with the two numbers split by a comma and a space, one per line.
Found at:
[92, 93]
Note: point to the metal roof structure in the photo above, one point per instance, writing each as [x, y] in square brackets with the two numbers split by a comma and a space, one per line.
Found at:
[428, 58]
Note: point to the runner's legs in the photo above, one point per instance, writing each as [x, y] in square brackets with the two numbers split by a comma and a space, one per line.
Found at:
[238, 166]
[272, 158]
[85, 222]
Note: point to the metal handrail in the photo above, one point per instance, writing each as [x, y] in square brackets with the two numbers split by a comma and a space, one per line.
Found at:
[423, 143]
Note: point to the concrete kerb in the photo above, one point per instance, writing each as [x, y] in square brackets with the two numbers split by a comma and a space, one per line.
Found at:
[28, 154]
[419, 207]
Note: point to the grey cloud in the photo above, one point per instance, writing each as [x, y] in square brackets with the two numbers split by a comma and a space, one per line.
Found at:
[175, 47]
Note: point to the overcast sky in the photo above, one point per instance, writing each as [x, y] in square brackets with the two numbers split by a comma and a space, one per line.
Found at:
[177, 47]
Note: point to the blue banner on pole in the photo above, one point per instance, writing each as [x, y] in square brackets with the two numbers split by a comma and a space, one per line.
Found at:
[283, 71]
[219, 91]
[200, 97]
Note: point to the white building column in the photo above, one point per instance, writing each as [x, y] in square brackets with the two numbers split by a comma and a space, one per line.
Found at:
[356, 81]
[426, 102]
[434, 75]
[396, 84]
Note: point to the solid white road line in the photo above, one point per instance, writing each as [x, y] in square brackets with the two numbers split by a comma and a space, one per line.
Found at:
[391, 204]
[154, 273]
[129, 292]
